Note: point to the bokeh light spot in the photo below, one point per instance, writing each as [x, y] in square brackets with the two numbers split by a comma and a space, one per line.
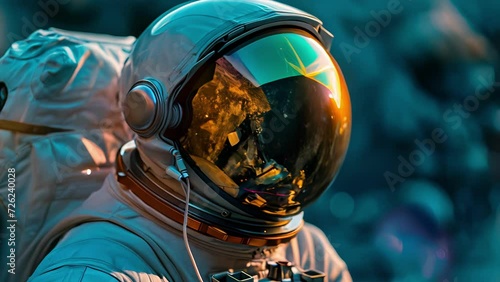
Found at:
[342, 205]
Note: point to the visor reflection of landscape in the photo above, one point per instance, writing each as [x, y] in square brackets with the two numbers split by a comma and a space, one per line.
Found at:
[278, 126]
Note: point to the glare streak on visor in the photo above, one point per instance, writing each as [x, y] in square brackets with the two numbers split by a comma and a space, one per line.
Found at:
[271, 128]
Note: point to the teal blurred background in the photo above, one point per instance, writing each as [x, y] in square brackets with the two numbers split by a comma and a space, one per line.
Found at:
[418, 198]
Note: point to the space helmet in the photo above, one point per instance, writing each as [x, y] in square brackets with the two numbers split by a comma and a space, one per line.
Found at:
[249, 96]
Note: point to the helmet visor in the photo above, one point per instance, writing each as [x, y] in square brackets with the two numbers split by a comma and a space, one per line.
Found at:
[272, 127]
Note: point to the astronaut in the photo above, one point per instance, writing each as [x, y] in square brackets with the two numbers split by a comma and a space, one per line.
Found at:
[242, 118]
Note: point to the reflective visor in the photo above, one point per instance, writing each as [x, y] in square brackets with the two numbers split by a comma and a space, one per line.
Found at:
[272, 127]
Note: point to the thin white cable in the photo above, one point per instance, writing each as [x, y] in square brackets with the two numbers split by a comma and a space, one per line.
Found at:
[187, 190]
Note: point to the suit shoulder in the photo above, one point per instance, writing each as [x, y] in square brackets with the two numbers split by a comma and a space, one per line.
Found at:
[99, 248]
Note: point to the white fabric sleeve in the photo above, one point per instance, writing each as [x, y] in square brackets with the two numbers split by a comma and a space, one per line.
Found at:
[312, 250]
[74, 273]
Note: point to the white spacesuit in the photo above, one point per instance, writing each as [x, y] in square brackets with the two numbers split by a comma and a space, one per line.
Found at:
[242, 119]
[61, 126]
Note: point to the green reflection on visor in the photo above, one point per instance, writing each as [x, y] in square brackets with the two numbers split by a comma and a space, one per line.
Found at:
[287, 55]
